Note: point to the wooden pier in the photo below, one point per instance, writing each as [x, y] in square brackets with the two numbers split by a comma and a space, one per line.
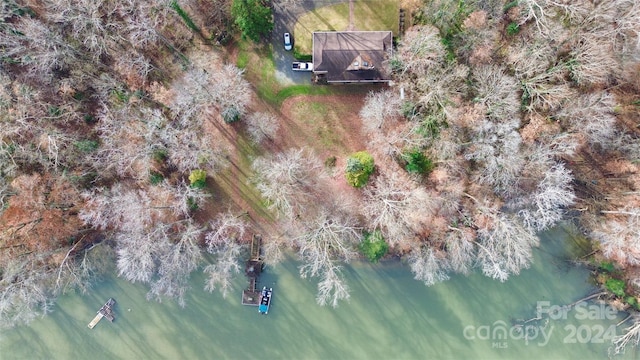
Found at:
[106, 311]
[253, 268]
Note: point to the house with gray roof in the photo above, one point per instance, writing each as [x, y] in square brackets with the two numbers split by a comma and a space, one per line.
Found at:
[352, 56]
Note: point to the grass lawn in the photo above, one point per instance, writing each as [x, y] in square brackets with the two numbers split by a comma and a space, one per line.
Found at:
[260, 70]
[320, 120]
[368, 15]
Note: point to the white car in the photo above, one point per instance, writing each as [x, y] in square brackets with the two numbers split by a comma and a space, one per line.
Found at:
[301, 66]
[287, 41]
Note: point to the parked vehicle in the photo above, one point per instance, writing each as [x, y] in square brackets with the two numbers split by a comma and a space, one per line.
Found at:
[287, 41]
[302, 66]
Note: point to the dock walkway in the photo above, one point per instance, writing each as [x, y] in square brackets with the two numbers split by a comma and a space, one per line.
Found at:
[106, 311]
[253, 268]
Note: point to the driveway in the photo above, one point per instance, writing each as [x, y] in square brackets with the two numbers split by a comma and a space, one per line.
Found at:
[285, 15]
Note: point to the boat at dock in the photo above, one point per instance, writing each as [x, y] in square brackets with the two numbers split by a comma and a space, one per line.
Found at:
[106, 311]
[265, 300]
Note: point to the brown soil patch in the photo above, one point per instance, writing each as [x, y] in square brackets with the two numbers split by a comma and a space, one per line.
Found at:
[41, 216]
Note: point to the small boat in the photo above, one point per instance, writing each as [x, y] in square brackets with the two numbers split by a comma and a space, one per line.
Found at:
[265, 300]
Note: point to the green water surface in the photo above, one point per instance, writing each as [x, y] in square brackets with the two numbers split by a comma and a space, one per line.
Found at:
[389, 316]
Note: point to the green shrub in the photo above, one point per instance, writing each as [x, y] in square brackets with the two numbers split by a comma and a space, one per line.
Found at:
[121, 96]
[373, 246]
[301, 57]
[615, 286]
[192, 204]
[430, 126]
[409, 110]
[230, 114]
[198, 178]
[155, 177]
[631, 301]
[78, 95]
[510, 5]
[607, 266]
[396, 65]
[242, 60]
[160, 155]
[88, 119]
[513, 29]
[86, 146]
[185, 17]
[54, 111]
[417, 162]
[330, 162]
[360, 165]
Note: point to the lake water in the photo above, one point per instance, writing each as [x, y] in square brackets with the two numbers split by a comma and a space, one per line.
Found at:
[389, 316]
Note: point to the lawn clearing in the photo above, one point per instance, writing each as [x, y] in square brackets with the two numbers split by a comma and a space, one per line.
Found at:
[328, 124]
[368, 15]
[260, 70]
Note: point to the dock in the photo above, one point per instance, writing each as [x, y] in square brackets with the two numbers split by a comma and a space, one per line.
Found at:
[253, 268]
[106, 311]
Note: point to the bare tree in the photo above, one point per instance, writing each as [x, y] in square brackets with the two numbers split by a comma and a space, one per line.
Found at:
[505, 244]
[124, 209]
[273, 250]
[436, 90]
[332, 287]
[156, 241]
[225, 228]
[546, 91]
[592, 115]
[191, 148]
[24, 293]
[286, 179]
[497, 91]
[631, 337]
[619, 236]
[133, 66]
[90, 21]
[496, 147]
[327, 238]
[127, 148]
[392, 205]
[80, 268]
[262, 126]
[5, 192]
[138, 253]
[224, 87]
[177, 263]
[379, 107]
[45, 48]
[536, 11]
[183, 198]
[460, 248]
[420, 50]
[552, 195]
[428, 266]
[143, 20]
[593, 62]
[530, 58]
[223, 241]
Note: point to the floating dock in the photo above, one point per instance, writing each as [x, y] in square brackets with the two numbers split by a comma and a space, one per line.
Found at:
[253, 268]
[106, 311]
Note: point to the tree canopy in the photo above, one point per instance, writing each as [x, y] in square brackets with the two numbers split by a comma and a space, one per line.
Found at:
[253, 17]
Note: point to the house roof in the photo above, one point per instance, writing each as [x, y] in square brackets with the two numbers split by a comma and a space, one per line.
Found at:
[352, 56]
